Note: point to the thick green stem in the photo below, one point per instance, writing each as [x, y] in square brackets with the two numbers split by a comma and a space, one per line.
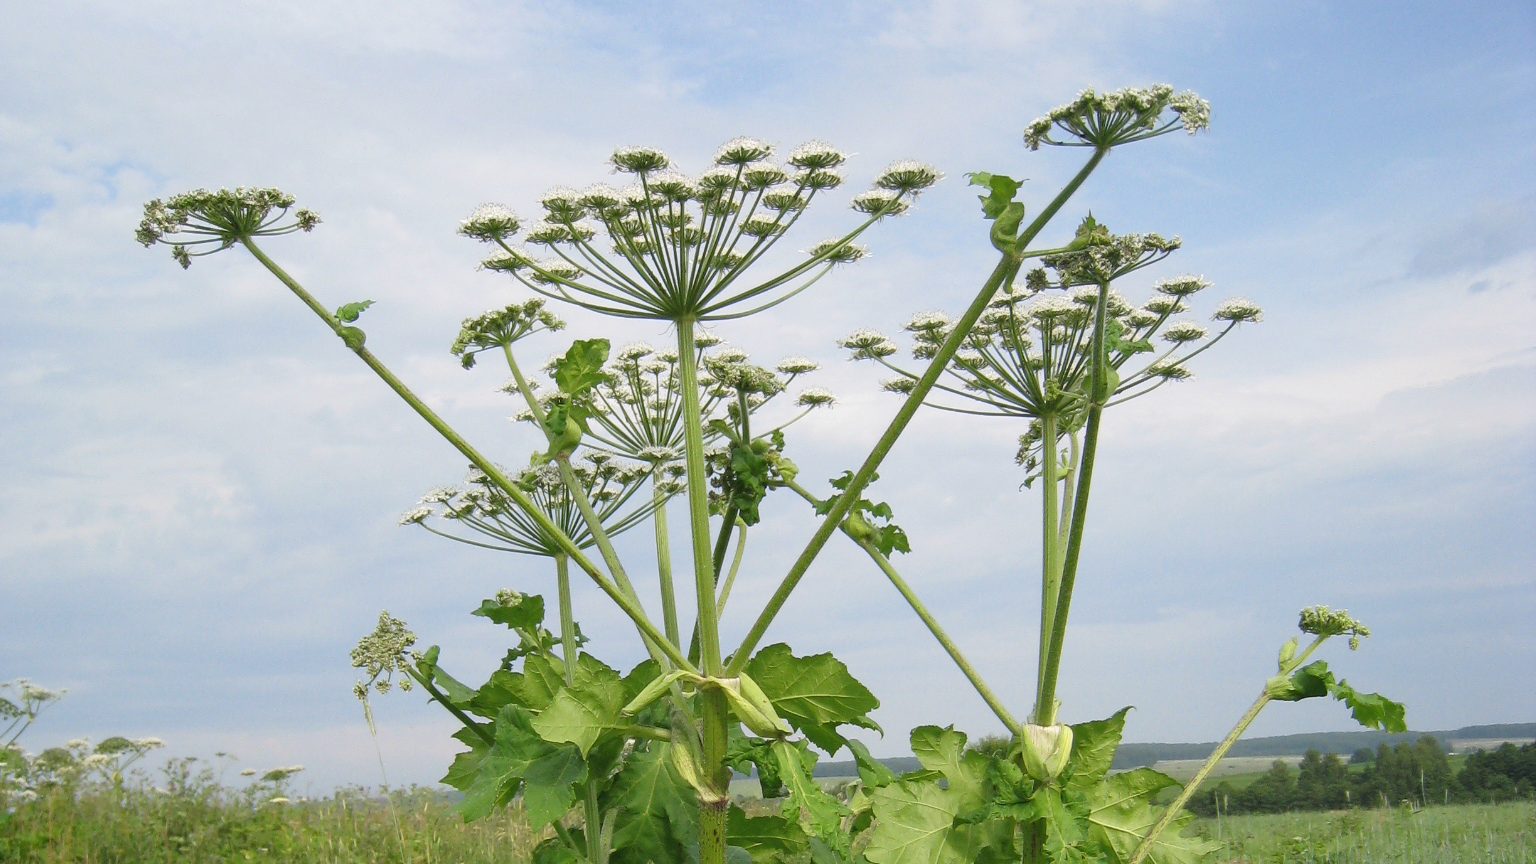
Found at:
[1045, 703]
[590, 811]
[495, 474]
[664, 564]
[698, 501]
[715, 713]
[1006, 269]
[567, 619]
[713, 807]
[1050, 582]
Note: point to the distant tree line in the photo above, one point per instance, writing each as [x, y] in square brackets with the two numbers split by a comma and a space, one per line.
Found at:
[1418, 774]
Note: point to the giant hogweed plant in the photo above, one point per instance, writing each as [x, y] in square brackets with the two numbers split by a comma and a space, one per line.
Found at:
[635, 767]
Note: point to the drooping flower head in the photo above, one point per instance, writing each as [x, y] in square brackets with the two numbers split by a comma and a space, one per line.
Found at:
[1105, 120]
[381, 654]
[191, 221]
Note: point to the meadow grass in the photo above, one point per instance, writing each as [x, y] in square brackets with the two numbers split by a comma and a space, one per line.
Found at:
[143, 825]
[140, 824]
[1458, 834]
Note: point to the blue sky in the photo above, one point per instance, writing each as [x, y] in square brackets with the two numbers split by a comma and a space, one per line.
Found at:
[200, 488]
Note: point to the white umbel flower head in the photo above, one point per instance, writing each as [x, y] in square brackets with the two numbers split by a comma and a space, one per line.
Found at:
[867, 344]
[763, 175]
[797, 365]
[416, 515]
[819, 179]
[815, 397]
[1054, 306]
[600, 196]
[729, 354]
[634, 351]
[1119, 116]
[882, 201]
[1238, 310]
[907, 176]
[1180, 332]
[816, 155]
[838, 252]
[1180, 286]
[923, 322]
[639, 160]
[743, 150]
[489, 223]
[562, 203]
[1169, 371]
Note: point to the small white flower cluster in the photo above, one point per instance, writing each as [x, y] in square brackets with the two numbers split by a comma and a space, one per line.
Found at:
[639, 160]
[1180, 286]
[797, 365]
[815, 397]
[868, 344]
[1238, 310]
[816, 156]
[1119, 116]
[838, 251]
[742, 150]
[489, 223]
[1180, 332]
[880, 202]
[906, 176]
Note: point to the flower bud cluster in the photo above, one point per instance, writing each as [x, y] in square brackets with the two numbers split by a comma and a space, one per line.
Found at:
[1322, 621]
[380, 655]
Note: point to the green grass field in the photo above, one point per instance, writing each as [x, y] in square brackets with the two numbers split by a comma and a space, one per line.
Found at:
[1459, 834]
[142, 825]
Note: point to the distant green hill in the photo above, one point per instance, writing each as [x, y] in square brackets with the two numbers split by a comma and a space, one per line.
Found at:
[1136, 755]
